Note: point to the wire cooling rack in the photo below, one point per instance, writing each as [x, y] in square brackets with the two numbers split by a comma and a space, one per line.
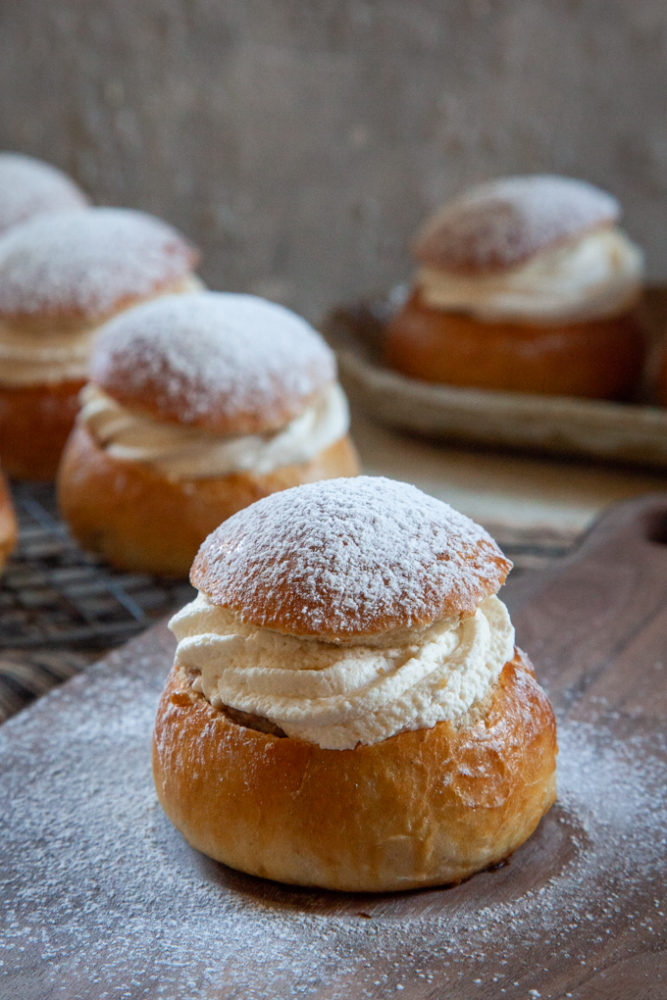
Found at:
[61, 609]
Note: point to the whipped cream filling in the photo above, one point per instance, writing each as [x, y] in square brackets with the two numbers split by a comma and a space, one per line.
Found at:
[597, 276]
[340, 695]
[181, 452]
[46, 356]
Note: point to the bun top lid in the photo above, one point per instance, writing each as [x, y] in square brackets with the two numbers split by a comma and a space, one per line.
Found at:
[231, 364]
[348, 559]
[85, 264]
[501, 224]
[29, 186]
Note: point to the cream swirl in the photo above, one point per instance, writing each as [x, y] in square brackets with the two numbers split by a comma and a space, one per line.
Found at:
[338, 695]
[182, 452]
[46, 355]
[596, 276]
[44, 358]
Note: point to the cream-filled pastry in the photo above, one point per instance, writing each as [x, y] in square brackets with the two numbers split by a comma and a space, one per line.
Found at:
[524, 284]
[197, 405]
[29, 187]
[347, 707]
[62, 276]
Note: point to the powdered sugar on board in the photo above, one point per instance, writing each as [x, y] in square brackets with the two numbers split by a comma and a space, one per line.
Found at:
[29, 186]
[103, 899]
[88, 261]
[500, 224]
[213, 356]
[348, 557]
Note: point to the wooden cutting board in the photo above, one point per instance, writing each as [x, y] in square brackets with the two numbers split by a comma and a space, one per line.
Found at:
[101, 898]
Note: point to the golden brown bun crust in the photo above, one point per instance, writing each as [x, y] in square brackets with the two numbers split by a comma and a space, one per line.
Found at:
[503, 223]
[139, 520]
[662, 379]
[601, 359]
[35, 422]
[83, 265]
[349, 559]
[421, 808]
[8, 528]
[228, 363]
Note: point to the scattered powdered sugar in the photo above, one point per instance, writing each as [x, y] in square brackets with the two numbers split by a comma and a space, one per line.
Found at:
[103, 899]
[87, 261]
[348, 557]
[29, 186]
[499, 224]
[211, 355]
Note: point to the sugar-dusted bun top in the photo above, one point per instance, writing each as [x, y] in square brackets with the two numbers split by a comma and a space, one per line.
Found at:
[346, 559]
[86, 263]
[232, 364]
[29, 186]
[501, 224]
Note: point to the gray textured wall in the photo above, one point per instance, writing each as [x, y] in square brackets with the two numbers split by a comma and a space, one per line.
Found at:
[301, 142]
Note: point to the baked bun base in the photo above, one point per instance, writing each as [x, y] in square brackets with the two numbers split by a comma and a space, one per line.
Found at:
[8, 528]
[35, 422]
[601, 359]
[140, 520]
[421, 808]
[662, 379]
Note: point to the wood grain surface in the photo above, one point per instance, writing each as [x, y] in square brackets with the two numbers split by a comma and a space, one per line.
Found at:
[101, 898]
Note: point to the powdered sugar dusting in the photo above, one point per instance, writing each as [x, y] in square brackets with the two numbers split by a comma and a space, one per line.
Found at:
[348, 557]
[212, 356]
[29, 186]
[500, 224]
[87, 261]
[103, 899]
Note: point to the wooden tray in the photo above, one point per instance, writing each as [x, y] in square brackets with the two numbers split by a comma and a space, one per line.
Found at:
[634, 433]
[101, 898]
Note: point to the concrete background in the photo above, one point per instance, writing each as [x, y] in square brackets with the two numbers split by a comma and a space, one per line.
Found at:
[300, 143]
